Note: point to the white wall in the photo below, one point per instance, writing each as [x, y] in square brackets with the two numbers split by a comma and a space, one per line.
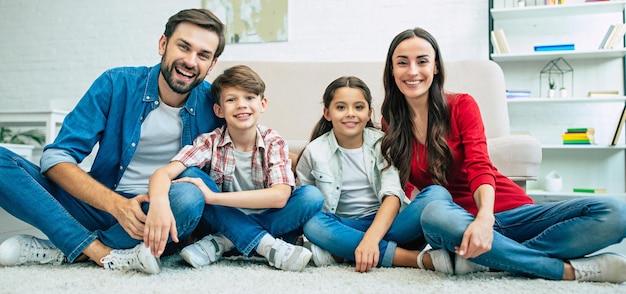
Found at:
[53, 50]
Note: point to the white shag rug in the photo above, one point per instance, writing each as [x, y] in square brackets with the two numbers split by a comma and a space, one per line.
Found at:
[238, 275]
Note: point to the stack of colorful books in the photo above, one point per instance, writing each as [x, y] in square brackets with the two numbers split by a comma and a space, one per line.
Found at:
[579, 136]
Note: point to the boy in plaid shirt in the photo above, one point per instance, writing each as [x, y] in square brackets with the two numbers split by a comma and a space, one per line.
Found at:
[248, 184]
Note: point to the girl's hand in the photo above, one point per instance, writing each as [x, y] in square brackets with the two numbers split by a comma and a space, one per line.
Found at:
[209, 196]
[160, 223]
[366, 256]
[477, 239]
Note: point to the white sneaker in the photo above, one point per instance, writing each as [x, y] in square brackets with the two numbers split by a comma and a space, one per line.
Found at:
[320, 256]
[605, 267]
[138, 258]
[27, 249]
[441, 260]
[288, 257]
[204, 252]
[463, 266]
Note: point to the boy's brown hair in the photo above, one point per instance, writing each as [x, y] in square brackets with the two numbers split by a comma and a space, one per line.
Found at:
[239, 76]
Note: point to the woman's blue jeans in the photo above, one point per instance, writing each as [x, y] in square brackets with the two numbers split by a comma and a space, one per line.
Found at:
[71, 224]
[533, 240]
[341, 236]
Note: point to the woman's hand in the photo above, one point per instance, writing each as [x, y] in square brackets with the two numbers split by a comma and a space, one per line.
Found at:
[477, 239]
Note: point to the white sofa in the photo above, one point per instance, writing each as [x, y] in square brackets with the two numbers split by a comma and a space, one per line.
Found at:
[294, 91]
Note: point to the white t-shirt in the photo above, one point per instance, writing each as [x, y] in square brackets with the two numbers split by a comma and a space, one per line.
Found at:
[158, 143]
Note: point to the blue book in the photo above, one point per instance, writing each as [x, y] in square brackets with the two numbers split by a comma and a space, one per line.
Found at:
[558, 47]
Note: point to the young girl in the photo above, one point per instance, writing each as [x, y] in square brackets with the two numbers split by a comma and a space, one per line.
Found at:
[365, 217]
[435, 137]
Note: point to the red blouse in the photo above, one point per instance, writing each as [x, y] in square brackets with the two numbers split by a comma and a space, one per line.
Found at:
[472, 166]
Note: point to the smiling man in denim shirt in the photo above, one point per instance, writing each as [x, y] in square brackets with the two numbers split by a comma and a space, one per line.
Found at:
[139, 117]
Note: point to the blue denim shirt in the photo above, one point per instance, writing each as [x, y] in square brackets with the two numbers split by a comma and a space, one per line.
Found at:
[320, 165]
[111, 114]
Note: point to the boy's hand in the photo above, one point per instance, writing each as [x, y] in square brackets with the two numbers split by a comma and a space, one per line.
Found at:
[209, 195]
[160, 223]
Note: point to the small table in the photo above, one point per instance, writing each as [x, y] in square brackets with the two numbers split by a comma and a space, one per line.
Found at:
[51, 120]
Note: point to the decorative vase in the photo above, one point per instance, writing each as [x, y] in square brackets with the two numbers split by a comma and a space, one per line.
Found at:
[563, 93]
[551, 93]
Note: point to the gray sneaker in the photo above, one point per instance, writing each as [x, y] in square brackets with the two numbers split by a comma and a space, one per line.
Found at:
[463, 266]
[204, 252]
[27, 249]
[319, 256]
[288, 257]
[605, 267]
[441, 260]
[138, 258]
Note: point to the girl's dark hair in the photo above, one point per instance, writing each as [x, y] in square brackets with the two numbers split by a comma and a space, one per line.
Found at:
[397, 144]
[323, 125]
[239, 76]
[203, 18]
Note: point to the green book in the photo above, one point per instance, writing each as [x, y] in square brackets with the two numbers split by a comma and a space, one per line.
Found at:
[589, 190]
[577, 142]
[581, 130]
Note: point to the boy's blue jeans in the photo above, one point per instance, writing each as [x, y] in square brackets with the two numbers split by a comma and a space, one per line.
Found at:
[534, 240]
[341, 236]
[71, 224]
[246, 230]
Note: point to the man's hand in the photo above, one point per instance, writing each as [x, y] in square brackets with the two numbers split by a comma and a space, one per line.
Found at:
[130, 216]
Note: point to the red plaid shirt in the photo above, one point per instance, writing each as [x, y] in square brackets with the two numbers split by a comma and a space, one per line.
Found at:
[214, 152]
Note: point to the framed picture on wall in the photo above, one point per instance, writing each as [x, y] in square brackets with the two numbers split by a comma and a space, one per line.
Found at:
[251, 21]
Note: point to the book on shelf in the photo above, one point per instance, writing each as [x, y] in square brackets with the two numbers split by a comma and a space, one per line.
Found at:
[501, 42]
[555, 47]
[517, 93]
[591, 131]
[606, 36]
[494, 43]
[619, 127]
[615, 34]
[579, 136]
[610, 93]
[590, 190]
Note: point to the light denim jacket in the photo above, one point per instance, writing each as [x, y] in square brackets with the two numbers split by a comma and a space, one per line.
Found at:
[320, 165]
[111, 114]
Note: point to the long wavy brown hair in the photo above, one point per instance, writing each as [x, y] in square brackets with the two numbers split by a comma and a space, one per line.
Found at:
[397, 144]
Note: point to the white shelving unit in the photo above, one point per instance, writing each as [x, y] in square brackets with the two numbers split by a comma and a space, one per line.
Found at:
[583, 24]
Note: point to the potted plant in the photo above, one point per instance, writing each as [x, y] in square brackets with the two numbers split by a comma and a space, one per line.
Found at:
[21, 142]
[563, 92]
[552, 89]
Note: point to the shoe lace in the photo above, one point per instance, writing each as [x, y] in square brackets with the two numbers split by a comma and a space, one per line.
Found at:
[584, 271]
[120, 260]
[43, 253]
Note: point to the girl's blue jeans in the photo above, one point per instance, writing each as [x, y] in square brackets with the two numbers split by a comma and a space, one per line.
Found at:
[533, 240]
[341, 236]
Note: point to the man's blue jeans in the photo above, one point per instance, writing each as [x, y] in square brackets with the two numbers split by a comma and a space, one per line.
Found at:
[532, 239]
[341, 236]
[71, 224]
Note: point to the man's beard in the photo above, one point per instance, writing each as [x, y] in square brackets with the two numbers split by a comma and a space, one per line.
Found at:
[177, 86]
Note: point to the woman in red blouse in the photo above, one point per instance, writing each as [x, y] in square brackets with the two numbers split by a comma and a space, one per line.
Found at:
[435, 137]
